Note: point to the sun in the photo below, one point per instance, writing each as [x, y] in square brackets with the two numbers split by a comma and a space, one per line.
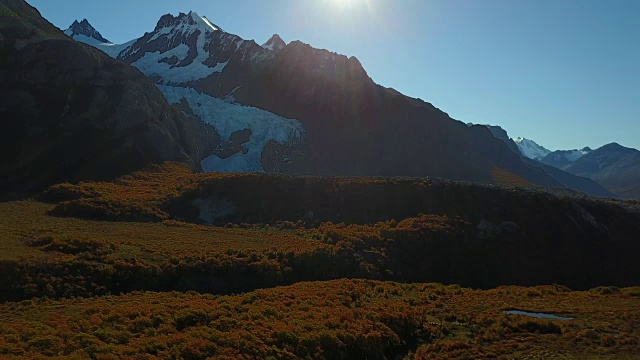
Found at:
[348, 4]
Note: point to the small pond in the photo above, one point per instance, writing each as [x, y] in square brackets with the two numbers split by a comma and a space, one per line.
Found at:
[537, 315]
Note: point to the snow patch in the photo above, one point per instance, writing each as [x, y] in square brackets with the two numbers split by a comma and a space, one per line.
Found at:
[231, 96]
[269, 46]
[228, 118]
[203, 21]
[151, 65]
[573, 155]
[220, 66]
[113, 50]
[85, 39]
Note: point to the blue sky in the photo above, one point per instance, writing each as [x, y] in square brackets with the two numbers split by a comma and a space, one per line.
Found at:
[563, 73]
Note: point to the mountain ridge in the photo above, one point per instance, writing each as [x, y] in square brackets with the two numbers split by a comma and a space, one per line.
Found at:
[72, 113]
[615, 167]
[330, 95]
[569, 180]
[86, 29]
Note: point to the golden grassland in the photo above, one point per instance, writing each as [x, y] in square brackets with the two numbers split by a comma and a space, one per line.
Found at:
[141, 232]
[23, 222]
[354, 319]
[45, 255]
[165, 191]
[73, 249]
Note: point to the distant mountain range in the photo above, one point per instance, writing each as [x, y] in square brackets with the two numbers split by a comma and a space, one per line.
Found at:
[222, 103]
[568, 180]
[615, 167]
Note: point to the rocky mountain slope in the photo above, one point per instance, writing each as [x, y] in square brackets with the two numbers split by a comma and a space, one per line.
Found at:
[325, 114]
[83, 31]
[614, 166]
[70, 112]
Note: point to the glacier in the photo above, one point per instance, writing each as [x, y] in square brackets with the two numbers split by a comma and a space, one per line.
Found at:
[227, 117]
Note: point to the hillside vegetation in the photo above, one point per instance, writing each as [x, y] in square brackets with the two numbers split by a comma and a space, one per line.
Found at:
[97, 266]
[344, 319]
[151, 231]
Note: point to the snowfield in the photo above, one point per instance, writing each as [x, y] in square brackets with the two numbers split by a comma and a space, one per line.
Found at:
[530, 148]
[150, 65]
[113, 50]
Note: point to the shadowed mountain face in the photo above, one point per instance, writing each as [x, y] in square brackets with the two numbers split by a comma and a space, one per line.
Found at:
[310, 111]
[70, 112]
[564, 158]
[356, 127]
[351, 125]
[615, 167]
[579, 183]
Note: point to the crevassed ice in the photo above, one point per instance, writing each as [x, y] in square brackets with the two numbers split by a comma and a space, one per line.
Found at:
[228, 118]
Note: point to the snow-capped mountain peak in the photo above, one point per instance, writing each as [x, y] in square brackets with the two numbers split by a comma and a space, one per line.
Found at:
[530, 148]
[185, 23]
[84, 32]
[186, 54]
[275, 43]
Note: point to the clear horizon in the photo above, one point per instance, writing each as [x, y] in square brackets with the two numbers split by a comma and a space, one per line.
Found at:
[564, 74]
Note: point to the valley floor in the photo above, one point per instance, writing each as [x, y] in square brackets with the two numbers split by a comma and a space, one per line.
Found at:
[354, 319]
[313, 268]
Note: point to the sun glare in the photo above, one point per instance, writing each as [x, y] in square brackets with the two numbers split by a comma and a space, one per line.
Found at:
[348, 4]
